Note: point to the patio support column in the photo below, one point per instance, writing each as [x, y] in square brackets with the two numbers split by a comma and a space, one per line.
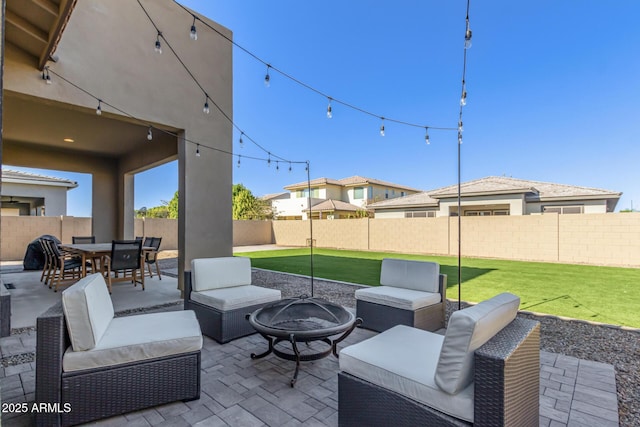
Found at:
[105, 195]
[128, 209]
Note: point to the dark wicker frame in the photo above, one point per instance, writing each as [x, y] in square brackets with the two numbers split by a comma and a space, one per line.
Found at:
[100, 393]
[506, 381]
[222, 326]
[379, 317]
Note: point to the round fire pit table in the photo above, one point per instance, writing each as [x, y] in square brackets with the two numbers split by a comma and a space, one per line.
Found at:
[302, 319]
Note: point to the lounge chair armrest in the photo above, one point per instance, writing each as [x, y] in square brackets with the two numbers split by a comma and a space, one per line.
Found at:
[52, 340]
[507, 376]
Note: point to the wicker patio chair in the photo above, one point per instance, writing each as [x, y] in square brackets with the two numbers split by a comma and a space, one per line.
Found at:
[124, 262]
[219, 290]
[473, 377]
[413, 293]
[160, 365]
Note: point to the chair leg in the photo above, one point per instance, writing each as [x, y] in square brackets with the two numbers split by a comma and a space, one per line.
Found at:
[158, 270]
[149, 268]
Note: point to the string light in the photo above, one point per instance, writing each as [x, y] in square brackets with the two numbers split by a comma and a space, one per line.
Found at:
[459, 138]
[382, 126]
[267, 78]
[193, 34]
[277, 166]
[45, 75]
[158, 48]
[463, 98]
[426, 135]
[99, 108]
[197, 150]
[239, 160]
[269, 161]
[467, 35]
[290, 168]
[205, 109]
[460, 127]
[172, 134]
[241, 141]
[329, 113]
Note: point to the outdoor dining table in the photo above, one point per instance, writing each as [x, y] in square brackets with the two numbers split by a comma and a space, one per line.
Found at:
[93, 251]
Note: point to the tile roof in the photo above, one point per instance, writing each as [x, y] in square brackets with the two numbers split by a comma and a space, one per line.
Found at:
[274, 196]
[334, 205]
[418, 199]
[348, 182]
[9, 175]
[534, 189]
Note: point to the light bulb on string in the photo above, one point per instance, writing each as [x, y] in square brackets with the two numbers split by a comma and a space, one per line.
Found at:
[277, 166]
[426, 135]
[467, 37]
[329, 112]
[267, 78]
[463, 98]
[45, 75]
[198, 150]
[158, 47]
[269, 161]
[149, 134]
[99, 108]
[205, 108]
[460, 127]
[238, 165]
[193, 34]
[382, 126]
[290, 168]
[240, 141]
[459, 137]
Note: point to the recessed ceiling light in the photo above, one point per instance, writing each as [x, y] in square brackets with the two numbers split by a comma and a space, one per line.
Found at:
[68, 140]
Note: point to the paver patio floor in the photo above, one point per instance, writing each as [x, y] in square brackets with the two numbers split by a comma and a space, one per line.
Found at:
[239, 391]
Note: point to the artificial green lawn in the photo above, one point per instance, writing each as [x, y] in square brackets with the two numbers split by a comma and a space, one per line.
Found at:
[602, 294]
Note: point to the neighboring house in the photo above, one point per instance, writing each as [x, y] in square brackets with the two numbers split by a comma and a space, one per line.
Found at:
[496, 195]
[26, 194]
[336, 198]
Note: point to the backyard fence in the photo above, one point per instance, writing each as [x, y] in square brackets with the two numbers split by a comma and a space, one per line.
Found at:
[599, 239]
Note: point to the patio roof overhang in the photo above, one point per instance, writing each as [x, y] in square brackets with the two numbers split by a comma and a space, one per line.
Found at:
[35, 26]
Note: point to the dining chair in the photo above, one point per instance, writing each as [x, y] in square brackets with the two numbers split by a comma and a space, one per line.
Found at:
[66, 268]
[48, 261]
[151, 257]
[124, 262]
[83, 239]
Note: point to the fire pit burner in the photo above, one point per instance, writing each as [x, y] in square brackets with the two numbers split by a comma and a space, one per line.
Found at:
[302, 319]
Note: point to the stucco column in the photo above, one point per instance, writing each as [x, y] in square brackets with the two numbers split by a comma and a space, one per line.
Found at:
[128, 210]
[105, 202]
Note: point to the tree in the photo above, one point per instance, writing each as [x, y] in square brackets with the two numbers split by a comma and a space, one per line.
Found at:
[173, 206]
[247, 206]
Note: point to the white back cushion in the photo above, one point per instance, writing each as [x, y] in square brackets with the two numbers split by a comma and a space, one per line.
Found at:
[417, 275]
[223, 272]
[88, 311]
[468, 330]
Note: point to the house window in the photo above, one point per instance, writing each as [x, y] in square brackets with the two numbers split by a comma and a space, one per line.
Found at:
[358, 193]
[563, 209]
[315, 193]
[370, 193]
[487, 212]
[402, 194]
[420, 214]
[386, 193]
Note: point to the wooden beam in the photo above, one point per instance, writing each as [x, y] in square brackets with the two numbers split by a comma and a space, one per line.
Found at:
[66, 7]
[26, 26]
[48, 6]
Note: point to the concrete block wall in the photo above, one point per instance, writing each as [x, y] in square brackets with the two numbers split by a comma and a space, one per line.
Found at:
[16, 232]
[247, 233]
[411, 235]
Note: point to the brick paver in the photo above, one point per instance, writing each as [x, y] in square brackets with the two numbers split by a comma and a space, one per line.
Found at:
[239, 391]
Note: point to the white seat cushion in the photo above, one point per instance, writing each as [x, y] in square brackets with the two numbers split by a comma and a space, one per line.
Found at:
[417, 275]
[468, 330]
[227, 299]
[141, 337]
[404, 359]
[405, 299]
[88, 311]
[215, 273]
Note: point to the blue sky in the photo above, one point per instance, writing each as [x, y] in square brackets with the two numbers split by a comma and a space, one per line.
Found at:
[552, 93]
